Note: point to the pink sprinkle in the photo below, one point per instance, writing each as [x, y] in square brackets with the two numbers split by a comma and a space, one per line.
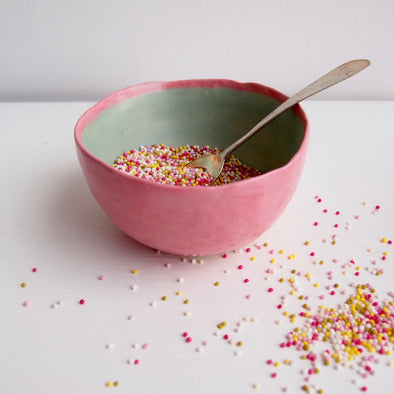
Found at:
[248, 250]
[101, 277]
[332, 292]
[312, 254]
[325, 210]
[225, 336]
[145, 346]
[270, 290]
[35, 269]
[246, 280]
[337, 213]
[274, 375]
[248, 296]
[364, 388]
[26, 303]
[377, 207]
[269, 362]
[389, 241]
[357, 273]
[136, 362]
[315, 223]
[272, 251]
[280, 306]
[224, 256]
[240, 266]
[319, 200]
[82, 301]
[185, 334]
[189, 339]
[357, 217]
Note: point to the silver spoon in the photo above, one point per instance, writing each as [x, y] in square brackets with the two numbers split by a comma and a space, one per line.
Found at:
[214, 163]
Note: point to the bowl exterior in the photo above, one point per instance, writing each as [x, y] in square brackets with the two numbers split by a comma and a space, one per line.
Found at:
[192, 220]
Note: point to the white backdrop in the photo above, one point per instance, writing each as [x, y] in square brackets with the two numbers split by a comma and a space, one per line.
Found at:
[83, 50]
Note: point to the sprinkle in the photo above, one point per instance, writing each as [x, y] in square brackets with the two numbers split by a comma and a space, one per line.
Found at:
[35, 269]
[247, 250]
[136, 361]
[134, 272]
[101, 277]
[256, 386]
[23, 284]
[187, 301]
[25, 303]
[189, 339]
[315, 223]
[270, 289]
[224, 255]
[164, 298]
[82, 301]
[217, 283]
[240, 267]
[246, 280]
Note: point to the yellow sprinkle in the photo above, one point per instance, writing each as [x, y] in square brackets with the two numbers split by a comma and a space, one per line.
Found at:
[285, 313]
[386, 253]
[239, 343]
[134, 272]
[291, 280]
[306, 243]
[308, 275]
[383, 240]
[178, 293]
[23, 284]
[292, 292]
[265, 244]
[217, 283]
[281, 251]
[272, 261]
[316, 285]
[277, 364]
[333, 242]
[164, 298]
[321, 262]
[293, 271]
[186, 301]
[253, 258]
[116, 383]
[109, 384]
[281, 280]
[287, 362]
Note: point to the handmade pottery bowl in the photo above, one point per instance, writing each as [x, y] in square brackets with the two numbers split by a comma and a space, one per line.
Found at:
[195, 220]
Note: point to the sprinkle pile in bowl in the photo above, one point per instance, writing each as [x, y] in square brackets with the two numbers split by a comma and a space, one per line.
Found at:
[166, 164]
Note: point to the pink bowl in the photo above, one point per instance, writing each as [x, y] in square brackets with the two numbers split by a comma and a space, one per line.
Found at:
[193, 220]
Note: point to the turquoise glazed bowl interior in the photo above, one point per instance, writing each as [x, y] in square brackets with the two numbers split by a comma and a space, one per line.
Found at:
[195, 112]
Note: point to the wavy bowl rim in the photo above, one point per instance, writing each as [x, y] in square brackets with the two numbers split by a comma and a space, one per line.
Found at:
[117, 96]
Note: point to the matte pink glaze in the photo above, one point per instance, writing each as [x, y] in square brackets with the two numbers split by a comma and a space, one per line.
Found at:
[190, 220]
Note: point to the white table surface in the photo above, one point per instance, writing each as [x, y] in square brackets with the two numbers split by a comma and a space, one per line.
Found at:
[49, 220]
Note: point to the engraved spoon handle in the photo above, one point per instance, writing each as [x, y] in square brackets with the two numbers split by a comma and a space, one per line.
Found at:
[336, 75]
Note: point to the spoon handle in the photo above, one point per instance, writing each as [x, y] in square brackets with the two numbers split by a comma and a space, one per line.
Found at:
[336, 75]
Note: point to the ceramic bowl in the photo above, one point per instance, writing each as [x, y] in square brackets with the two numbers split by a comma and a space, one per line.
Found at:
[199, 220]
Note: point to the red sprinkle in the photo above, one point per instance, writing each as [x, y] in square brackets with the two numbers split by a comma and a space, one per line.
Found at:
[337, 213]
[364, 388]
[185, 334]
[240, 266]
[136, 362]
[224, 256]
[246, 280]
[270, 290]
[35, 269]
[189, 339]
[248, 250]
[82, 301]
[315, 223]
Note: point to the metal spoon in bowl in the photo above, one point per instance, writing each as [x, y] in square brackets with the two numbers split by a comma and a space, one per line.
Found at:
[214, 163]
